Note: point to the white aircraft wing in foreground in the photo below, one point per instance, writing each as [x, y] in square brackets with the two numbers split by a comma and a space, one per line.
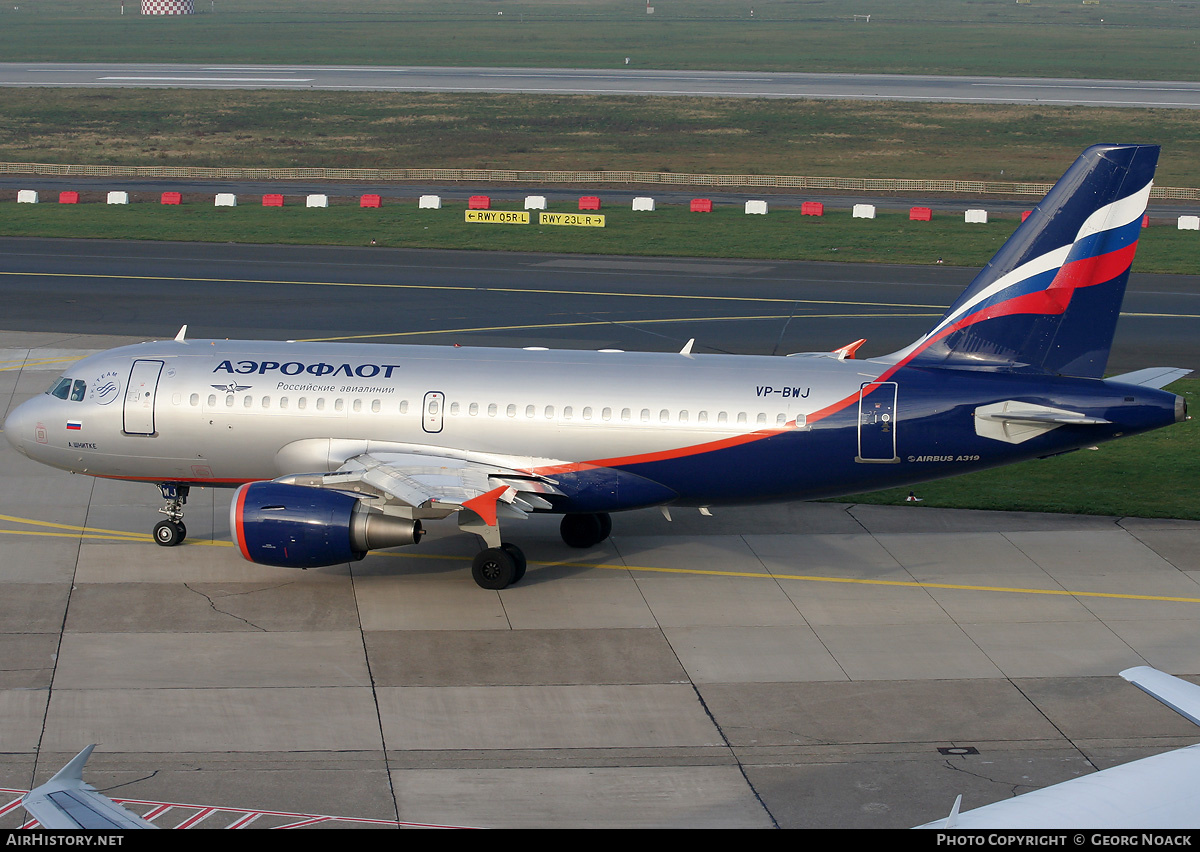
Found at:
[1156, 792]
[66, 801]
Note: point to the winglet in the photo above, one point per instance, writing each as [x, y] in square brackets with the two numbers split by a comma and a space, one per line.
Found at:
[687, 347]
[182, 335]
[66, 801]
[847, 351]
[1178, 694]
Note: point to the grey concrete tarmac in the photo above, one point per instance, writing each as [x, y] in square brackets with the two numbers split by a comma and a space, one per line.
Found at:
[801, 665]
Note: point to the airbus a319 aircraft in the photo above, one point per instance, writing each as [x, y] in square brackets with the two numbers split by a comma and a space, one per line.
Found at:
[339, 449]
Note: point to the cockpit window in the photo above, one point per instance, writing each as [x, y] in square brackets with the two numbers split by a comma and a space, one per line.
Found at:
[61, 389]
[72, 389]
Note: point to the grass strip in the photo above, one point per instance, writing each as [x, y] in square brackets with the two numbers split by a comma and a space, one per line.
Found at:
[175, 127]
[671, 230]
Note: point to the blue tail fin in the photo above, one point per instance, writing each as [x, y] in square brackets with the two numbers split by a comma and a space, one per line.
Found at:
[1049, 300]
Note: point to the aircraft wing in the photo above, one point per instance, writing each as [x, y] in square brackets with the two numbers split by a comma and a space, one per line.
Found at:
[1158, 792]
[66, 801]
[433, 486]
[1180, 695]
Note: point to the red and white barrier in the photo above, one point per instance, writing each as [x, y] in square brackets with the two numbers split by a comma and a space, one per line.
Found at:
[535, 202]
[1188, 223]
[316, 200]
[27, 196]
[225, 199]
[701, 205]
[589, 202]
[920, 214]
[370, 200]
[171, 198]
[430, 202]
[479, 202]
[812, 208]
[68, 196]
[272, 199]
[863, 211]
[756, 208]
[643, 203]
[117, 197]
[976, 216]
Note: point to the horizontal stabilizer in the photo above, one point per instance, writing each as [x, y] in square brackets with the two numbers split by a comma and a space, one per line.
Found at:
[1178, 694]
[1151, 377]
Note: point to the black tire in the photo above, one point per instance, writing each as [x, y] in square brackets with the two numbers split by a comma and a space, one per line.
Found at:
[582, 531]
[494, 569]
[518, 556]
[169, 533]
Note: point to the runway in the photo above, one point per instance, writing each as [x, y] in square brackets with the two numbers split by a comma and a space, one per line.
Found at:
[620, 81]
[801, 665]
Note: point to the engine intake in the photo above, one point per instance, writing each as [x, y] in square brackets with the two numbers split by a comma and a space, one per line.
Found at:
[297, 526]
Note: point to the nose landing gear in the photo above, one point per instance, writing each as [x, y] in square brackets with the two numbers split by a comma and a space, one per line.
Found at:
[171, 532]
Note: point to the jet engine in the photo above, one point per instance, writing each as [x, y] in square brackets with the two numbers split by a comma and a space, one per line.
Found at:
[298, 526]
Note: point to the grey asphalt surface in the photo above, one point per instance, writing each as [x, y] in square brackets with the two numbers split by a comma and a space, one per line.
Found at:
[619, 81]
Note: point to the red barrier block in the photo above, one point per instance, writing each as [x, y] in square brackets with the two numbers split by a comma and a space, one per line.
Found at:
[920, 214]
[70, 196]
[589, 202]
[273, 200]
[370, 201]
[1025, 215]
[812, 208]
[172, 198]
[1145, 220]
[479, 202]
[701, 205]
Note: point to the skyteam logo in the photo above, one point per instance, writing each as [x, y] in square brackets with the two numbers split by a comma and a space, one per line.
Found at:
[106, 387]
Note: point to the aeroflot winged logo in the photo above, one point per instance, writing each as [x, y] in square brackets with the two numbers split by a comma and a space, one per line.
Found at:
[232, 387]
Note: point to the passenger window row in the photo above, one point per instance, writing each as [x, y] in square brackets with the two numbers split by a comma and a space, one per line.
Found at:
[512, 410]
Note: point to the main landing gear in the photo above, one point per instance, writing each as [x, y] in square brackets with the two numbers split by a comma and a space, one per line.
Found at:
[171, 532]
[499, 567]
[585, 530]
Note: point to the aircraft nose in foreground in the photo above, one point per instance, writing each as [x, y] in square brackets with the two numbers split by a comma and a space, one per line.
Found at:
[19, 426]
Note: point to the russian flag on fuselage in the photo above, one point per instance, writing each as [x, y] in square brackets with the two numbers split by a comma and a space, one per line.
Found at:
[1049, 300]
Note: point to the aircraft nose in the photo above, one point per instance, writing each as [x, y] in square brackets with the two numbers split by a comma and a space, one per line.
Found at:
[19, 426]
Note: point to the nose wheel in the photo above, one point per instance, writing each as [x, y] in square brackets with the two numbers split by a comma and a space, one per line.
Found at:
[171, 532]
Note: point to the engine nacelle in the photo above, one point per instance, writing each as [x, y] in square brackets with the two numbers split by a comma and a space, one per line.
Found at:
[297, 526]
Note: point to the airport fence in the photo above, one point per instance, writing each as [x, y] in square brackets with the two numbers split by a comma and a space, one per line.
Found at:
[876, 185]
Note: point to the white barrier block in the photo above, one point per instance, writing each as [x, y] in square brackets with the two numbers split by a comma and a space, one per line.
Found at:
[643, 203]
[317, 201]
[535, 202]
[226, 199]
[1189, 223]
[756, 207]
[430, 202]
[117, 197]
[977, 216]
[864, 211]
[27, 196]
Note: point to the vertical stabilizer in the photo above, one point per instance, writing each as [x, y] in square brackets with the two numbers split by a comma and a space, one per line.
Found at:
[1049, 300]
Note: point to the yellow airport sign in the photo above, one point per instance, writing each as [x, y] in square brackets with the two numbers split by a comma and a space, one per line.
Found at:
[582, 220]
[499, 217]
